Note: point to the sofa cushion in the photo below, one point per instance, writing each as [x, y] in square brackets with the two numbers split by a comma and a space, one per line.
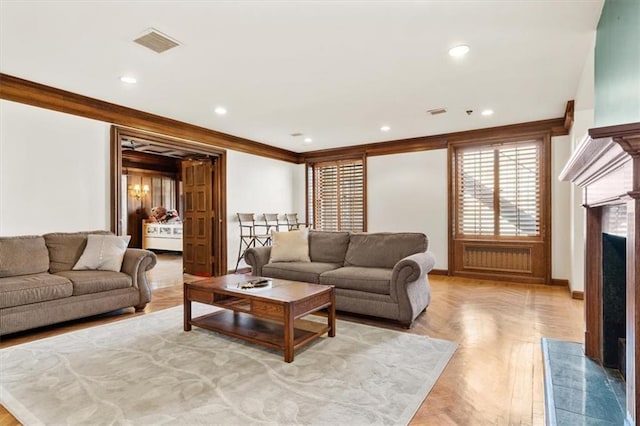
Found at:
[23, 255]
[292, 246]
[85, 282]
[383, 250]
[65, 248]
[328, 247]
[308, 272]
[370, 280]
[103, 253]
[33, 288]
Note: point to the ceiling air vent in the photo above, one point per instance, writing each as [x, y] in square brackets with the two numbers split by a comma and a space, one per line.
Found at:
[156, 41]
[437, 111]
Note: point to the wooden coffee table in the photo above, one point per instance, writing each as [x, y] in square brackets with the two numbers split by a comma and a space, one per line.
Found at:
[269, 316]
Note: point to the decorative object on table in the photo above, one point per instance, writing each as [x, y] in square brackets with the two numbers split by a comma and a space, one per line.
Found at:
[257, 283]
[163, 215]
[162, 230]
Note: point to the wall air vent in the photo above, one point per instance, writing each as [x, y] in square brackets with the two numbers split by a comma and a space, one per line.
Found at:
[437, 111]
[156, 41]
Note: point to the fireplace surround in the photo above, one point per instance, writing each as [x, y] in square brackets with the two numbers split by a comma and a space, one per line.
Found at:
[607, 166]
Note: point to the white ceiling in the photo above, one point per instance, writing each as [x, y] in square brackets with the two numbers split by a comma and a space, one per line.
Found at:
[334, 70]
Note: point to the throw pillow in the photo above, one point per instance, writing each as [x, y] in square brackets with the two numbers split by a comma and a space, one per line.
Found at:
[103, 252]
[292, 246]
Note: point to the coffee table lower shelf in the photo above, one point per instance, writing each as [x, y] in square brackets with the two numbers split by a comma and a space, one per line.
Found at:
[260, 331]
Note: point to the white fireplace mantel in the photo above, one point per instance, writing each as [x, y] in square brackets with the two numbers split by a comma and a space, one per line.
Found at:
[607, 165]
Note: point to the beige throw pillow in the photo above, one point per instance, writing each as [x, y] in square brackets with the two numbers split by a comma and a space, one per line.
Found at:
[103, 252]
[292, 246]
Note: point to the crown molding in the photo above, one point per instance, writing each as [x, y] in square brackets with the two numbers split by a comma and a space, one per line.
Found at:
[554, 126]
[625, 135]
[31, 93]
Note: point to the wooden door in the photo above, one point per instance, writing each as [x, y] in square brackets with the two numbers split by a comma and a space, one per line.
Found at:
[198, 217]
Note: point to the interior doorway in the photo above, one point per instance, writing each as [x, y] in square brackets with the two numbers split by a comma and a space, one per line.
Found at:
[148, 181]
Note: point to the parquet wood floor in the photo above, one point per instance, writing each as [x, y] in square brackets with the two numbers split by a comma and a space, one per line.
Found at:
[495, 376]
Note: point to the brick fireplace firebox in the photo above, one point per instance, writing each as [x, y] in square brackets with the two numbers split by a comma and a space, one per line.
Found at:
[607, 166]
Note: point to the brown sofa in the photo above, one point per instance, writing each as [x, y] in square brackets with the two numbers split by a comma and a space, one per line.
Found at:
[378, 274]
[38, 286]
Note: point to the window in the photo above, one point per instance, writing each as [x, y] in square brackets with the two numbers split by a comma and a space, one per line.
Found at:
[335, 195]
[500, 213]
[498, 190]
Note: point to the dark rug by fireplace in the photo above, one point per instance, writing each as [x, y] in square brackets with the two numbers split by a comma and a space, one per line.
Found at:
[579, 390]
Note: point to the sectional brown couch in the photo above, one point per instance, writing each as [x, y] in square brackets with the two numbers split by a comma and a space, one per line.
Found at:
[38, 286]
[378, 274]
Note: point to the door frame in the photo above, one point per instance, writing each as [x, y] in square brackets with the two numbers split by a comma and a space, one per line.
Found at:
[219, 187]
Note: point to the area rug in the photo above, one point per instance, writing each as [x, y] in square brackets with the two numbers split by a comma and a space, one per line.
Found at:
[147, 370]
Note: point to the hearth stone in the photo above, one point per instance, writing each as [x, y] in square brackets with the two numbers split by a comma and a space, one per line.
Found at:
[578, 390]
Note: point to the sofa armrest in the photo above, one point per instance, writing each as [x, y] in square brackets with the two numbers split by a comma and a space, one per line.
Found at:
[409, 284]
[413, 267]
[136, 263]
[257, 257]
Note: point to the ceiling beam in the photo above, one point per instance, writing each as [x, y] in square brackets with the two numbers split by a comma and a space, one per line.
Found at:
[568, 115]
[27, 92]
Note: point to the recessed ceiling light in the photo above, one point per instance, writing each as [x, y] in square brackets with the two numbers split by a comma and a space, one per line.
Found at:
[128, 79]
[487, 112]
[458, 51]
[385, 128]
[308, 140]
[220, 110]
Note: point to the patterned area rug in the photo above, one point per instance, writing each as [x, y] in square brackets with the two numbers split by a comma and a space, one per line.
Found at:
[146, 370]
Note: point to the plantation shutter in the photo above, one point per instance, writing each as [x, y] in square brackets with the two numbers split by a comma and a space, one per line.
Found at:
[338, 195]
[326, 197]
[498, 190]
[310, 191]
[351, 185]
[475, 192]
[519, 190]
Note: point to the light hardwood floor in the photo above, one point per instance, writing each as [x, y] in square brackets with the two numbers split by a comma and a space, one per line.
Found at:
[495, 376]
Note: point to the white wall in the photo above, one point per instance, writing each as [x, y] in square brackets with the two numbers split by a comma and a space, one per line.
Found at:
[583, 120]
[54, 176]
[408, 192]
[257, 185]
[299, 192]
[54, 171]
[560, 210]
